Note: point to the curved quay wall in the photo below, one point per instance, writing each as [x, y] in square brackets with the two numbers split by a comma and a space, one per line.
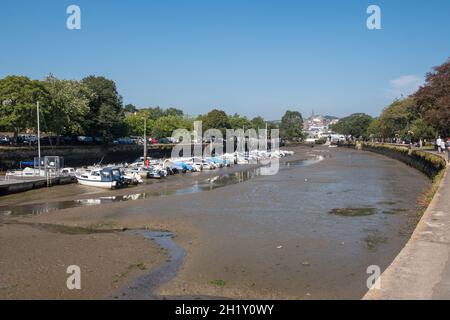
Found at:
[421, 270]
[426, 162]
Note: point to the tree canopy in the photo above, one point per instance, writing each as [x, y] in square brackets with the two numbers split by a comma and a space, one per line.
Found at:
[135, 123]
[165, 125]
[105, 116]
[239, 122]
[291, 125]
[69, 104]
[18, 98]
[93, 106]
[433, 99]
[216, 119]
[355, 125]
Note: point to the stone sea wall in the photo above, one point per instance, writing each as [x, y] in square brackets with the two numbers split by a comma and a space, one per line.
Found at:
[430, 164]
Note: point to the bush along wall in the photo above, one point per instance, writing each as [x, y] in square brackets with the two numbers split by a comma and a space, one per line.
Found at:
[430, 164]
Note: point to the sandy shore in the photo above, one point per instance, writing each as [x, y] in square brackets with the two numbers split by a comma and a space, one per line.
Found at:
[34, 262]
[229, 253]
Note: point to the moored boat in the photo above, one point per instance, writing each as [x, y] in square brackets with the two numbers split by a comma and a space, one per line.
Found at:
[108, 178]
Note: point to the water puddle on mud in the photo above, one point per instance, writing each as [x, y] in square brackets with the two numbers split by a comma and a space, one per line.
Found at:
[353, 212]
[144, 286]
[216, 182]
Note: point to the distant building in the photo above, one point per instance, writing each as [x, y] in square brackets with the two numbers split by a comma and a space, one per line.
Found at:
[317, 126]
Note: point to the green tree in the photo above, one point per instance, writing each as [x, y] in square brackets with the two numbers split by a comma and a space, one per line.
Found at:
[258, 123]
[373, 130]
[238, 122]
[291, 127]
[395, 120]
[155, 113]
[355, 125]
[420, 129]
[135, 123]
[174, 112]
[216, 119]
[68, 107]
[18, 97]
[130, 108]
[105, 117]
[165, 126]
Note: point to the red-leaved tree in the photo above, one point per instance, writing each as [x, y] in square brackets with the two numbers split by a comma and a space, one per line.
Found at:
[433, 99]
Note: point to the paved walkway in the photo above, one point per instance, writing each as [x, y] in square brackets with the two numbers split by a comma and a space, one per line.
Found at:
[422, 268]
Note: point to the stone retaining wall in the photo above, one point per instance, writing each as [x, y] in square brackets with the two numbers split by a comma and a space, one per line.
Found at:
[426, 162]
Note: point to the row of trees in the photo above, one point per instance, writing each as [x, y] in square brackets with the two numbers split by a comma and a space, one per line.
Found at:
[162, 125]
[423, 115]
[92, 106]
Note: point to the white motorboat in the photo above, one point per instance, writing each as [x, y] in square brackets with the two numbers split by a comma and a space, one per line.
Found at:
[108, 178]
[132, 177]
[152, 173]
[68, 172]
[139, 170]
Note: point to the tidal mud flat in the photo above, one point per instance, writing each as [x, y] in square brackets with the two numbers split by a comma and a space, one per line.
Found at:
[243, 236]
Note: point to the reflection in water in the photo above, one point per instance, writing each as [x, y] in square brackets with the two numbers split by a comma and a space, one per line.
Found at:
[199, 186]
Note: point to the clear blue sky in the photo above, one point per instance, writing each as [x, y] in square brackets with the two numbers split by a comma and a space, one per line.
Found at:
[254, 57]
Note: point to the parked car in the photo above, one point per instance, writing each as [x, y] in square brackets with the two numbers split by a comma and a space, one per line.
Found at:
[49, 140]
[125, 140]
[68, 140]
[173, 140]
[152, 141]
[164, 141]
[98, 140]
[85, 140]
[26, 139]
[5, 140]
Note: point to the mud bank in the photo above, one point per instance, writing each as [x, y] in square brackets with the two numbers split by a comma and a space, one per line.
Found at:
[266, 237]
[34, 260]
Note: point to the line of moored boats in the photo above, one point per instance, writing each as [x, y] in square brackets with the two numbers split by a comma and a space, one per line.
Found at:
[113, 176]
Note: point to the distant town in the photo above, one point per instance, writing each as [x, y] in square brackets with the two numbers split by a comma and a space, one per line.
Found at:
[318, 126]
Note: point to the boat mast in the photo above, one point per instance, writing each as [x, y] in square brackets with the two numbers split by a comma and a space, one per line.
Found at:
[266, 145]
[145, 141]
[38, 137]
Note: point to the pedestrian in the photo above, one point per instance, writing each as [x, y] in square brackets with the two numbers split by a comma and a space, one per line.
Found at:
[439, 144]
[443, 147]
[448, 150]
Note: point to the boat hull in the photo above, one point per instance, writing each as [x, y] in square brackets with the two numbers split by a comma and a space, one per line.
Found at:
[98, 184]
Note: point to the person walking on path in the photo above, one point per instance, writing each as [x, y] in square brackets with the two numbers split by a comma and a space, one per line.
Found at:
[439, 144]
[443, 148]
[446, 146]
